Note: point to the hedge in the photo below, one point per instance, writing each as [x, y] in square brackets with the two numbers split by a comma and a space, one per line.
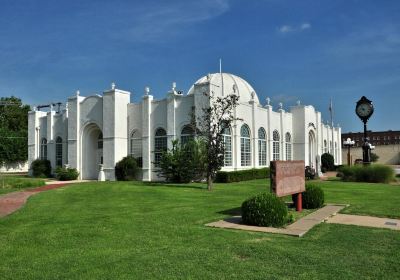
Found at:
[373, 173]
[242, 175]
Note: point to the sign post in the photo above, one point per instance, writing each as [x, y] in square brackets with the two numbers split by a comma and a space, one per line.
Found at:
[288, 178]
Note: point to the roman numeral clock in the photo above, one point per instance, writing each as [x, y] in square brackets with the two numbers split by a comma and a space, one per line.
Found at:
[364, 110]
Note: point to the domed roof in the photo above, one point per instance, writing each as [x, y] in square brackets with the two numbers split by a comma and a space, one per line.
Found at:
[232, 84]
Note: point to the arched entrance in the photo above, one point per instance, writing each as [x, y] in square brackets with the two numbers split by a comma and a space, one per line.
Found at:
[312, 155]
[91, 151]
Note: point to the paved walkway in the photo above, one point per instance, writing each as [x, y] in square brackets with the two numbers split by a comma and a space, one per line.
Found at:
[11, 202]
[365, 221]
[298, 228]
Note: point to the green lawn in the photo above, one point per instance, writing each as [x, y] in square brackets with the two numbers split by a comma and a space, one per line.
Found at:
[12, 183]
[116, 230]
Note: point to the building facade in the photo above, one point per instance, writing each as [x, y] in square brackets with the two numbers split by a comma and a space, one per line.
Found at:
[376, 138]
[97, 131]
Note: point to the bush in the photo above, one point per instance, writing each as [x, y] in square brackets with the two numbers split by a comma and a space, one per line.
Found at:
[41, 168]
[66, 174]
[309, 173]
[374, 157]
[265, 210]
[126, 169]
[373, 173]
[327, 162]
[242, 175]
[183, 163]
[313, 197]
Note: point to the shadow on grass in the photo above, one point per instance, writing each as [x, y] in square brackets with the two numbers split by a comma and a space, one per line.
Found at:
[232, 212]
[175, 185]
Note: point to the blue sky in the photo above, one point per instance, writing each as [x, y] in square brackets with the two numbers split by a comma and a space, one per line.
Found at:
[287, 50]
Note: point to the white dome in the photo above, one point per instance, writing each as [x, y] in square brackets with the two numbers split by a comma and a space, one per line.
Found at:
[232, 84]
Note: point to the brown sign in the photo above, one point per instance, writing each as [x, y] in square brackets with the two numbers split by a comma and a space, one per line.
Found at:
[287, 177]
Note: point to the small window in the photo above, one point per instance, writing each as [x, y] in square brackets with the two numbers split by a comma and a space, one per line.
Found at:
[100, 141]
[59, 151]
[160, 145]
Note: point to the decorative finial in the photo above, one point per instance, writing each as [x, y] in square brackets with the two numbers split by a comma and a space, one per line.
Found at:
[208, 77]
[34, 108]
[78, 92]
[112, 85]
[268, 100]
[173, 86]
[252, 94]
[66, 106]
[146, 90]
[280, 106]
[298, 102]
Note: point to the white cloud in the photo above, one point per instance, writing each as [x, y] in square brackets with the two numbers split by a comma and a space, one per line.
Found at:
[161, 20]
[289, 28]
[305, 26]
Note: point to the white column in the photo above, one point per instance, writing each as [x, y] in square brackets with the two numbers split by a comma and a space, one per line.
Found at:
[146, 137]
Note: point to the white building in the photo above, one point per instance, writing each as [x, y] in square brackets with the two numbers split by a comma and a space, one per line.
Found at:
[102, 129]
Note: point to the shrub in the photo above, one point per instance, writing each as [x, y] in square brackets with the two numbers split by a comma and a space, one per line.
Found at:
[41, 168]
[373, 173]
[242, 175]
[183, 163]
[66, 174]
[313, 197]
[374, 157]
[327, 162]
[265, 210]
[126, 169]
[309, 172]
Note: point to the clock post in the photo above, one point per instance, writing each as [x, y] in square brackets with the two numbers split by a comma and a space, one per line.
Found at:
[364, 110]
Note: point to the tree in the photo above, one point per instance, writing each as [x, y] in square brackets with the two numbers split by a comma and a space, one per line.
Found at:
[183, 163]
[209, 125]
[13, 130]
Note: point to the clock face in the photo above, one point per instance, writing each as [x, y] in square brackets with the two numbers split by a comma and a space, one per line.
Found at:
[364, 110]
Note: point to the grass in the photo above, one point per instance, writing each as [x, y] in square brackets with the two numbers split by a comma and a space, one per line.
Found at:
[15, 183]
[122, 230]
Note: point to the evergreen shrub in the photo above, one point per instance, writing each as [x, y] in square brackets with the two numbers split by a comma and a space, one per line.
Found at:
[242, 175]
[41, 168]
[265, 210]
[126, 169]
[327, 162]
[313, 197]
[66, 174]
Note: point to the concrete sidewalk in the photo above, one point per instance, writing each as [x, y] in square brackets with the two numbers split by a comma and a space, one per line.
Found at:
[298, 228]
[365, 221]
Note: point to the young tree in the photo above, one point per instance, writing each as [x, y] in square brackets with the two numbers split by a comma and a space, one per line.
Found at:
[209, 125]
[13, 130]
[183, 163]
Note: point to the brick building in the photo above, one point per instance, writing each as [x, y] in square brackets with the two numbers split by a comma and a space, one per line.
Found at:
[376, 138]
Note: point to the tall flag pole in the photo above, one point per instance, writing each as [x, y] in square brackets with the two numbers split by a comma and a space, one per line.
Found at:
[331, 113]
[222, 77]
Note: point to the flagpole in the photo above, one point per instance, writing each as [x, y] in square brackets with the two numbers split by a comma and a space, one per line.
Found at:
[222, 78]
[331, 112]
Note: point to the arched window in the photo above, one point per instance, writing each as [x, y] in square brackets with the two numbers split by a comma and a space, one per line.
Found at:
[227, 138]
[100, 145]
[262, 147]
[288, 140]
[59, 151]
[135, 149]
[160, 145]
[275, 145]
[336, 153]
[325, 146]
[330, 148]
[187, 134]
[245, 149]
[43, 148]
[100, 141]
